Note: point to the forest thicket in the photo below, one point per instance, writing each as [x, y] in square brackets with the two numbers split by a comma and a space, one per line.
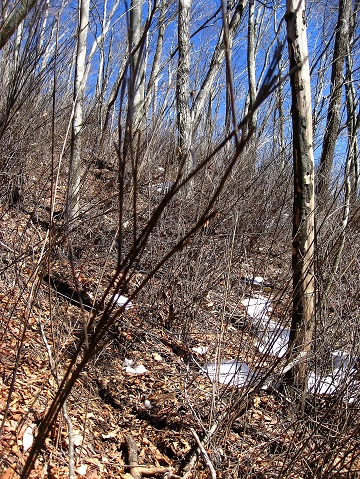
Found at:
[179, 268]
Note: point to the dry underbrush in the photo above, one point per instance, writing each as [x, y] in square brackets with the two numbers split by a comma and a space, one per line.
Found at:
[192, 300]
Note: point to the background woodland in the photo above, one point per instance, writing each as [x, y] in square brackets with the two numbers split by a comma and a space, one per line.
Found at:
[179, 194]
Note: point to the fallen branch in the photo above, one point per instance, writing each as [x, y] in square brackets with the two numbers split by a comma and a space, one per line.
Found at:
[193, 458]
[137, 471]
[204, 454]
[133, 457]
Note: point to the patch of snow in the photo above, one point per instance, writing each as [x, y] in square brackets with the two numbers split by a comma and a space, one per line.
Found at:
[200, 349]
[120, 300]
[228, 372]
[273, 340]
[257, 307]
[28, 438]
[128, 362]
[321, 385]
[141, 369]
[258, 281]
[339, 380]
[147, 404]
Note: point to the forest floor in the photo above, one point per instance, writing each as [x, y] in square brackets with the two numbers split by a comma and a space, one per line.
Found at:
[145, 387]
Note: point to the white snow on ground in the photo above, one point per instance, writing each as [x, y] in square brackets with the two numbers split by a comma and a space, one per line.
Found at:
[273, 340]
[130, 368]
[120, 300]
[200, 349]
[140, 369]
[228, 372]
[258, 281]
[257, 307]
[339, 380]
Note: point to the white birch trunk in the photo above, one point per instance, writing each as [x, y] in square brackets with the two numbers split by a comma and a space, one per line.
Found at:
[183, 85]
[137, 70]
[151, 91]
[77, 123]
[251, 51]
[303, 220]
[100, 43]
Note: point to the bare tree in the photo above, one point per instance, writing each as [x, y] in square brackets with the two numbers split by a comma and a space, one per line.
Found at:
[333, 116]
[77, 123]
[303, 215]
[97, 44]
[351, 175]
[151, 89]
[137, 65]
[14, 19]
[183, 83]
[217, 60]
[251, 58]
[351, 101]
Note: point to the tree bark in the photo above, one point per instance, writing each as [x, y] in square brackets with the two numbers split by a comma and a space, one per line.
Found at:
[333, 116]
[137, 70]
[151, 90]
[73, 199]
[303, 215]
[217, 61]
[279, 127]
[251, 60]
[351, 101]
[183, 85]
[10, 23]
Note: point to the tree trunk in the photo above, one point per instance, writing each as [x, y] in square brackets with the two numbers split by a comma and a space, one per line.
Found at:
[333, 117]
[228, 94]
[303, 215]
[183, 85]
[279, 127]
[251, 60]
[11, 22]
[352, 118]
[100, 76]
[137, 71]
[217, 61]
[77, 124]
[151, 90]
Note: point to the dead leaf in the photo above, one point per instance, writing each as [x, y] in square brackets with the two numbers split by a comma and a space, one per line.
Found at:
[111, 434]
[157, 357]
[82, 469]
[77, 438]
[257, 401]
[92, 474]
[257, 414]
[10, 473]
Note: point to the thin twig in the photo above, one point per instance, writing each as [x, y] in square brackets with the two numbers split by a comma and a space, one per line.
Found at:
[7, 247]
[204, 454]
[71, 442]
[64, 407]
